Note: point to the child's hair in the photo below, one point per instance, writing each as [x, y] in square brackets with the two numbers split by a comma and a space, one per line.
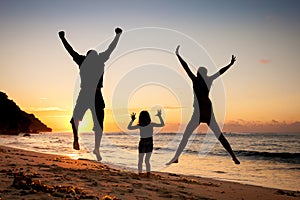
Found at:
[144, 118]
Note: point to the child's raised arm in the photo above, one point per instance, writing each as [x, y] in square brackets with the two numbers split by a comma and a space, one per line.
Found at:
[130, 126]
[162, 123]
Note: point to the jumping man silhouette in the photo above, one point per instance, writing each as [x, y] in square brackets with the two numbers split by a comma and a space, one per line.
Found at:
[91, 70]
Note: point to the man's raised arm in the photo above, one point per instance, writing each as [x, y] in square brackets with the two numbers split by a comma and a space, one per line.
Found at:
[67, 45]
[114, 43]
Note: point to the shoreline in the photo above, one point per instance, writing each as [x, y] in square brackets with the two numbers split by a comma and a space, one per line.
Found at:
[28, 174]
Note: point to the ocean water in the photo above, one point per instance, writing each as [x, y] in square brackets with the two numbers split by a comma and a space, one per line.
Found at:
[267, 159]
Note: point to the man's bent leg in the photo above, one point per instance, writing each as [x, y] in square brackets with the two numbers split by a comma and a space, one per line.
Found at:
[78, 113]
[75, 134]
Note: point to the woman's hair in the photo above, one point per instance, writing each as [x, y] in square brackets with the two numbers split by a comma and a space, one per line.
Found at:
[144, 118]
[202, 71]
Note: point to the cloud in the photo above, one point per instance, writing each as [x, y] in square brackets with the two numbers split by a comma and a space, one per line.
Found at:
[41, 109]
[259, 126]
[264, 61]
[141, 108]
[173, 107]
[58, 116]
[43, 98]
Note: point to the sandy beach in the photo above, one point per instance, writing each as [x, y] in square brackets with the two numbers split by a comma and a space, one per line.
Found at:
[31, 175]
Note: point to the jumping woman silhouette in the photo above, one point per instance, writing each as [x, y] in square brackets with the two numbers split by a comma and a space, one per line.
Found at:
[203, 111]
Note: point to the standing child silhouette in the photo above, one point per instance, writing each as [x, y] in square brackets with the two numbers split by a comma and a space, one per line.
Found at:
[146, 137]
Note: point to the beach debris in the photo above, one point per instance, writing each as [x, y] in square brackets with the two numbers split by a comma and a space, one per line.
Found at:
[107, 197]
[172, 174]
[211, 184]
[137, 185]
[289, 193]
[25, 181]
[191, 181]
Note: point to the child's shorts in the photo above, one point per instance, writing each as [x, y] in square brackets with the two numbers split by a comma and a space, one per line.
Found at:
[146, 145]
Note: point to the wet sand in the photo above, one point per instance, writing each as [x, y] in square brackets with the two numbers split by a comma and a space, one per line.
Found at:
[31, 175]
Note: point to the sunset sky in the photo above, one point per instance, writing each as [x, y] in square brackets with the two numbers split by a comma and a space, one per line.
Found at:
[259, 93]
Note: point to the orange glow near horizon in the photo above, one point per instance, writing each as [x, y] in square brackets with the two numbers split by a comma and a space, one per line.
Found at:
[239, 116]
[173, 124]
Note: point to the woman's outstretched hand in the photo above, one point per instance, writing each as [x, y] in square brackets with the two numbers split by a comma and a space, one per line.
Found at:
[233, 59]
[61, 34]
[177, 50]
[133, 116]
[158, 113]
